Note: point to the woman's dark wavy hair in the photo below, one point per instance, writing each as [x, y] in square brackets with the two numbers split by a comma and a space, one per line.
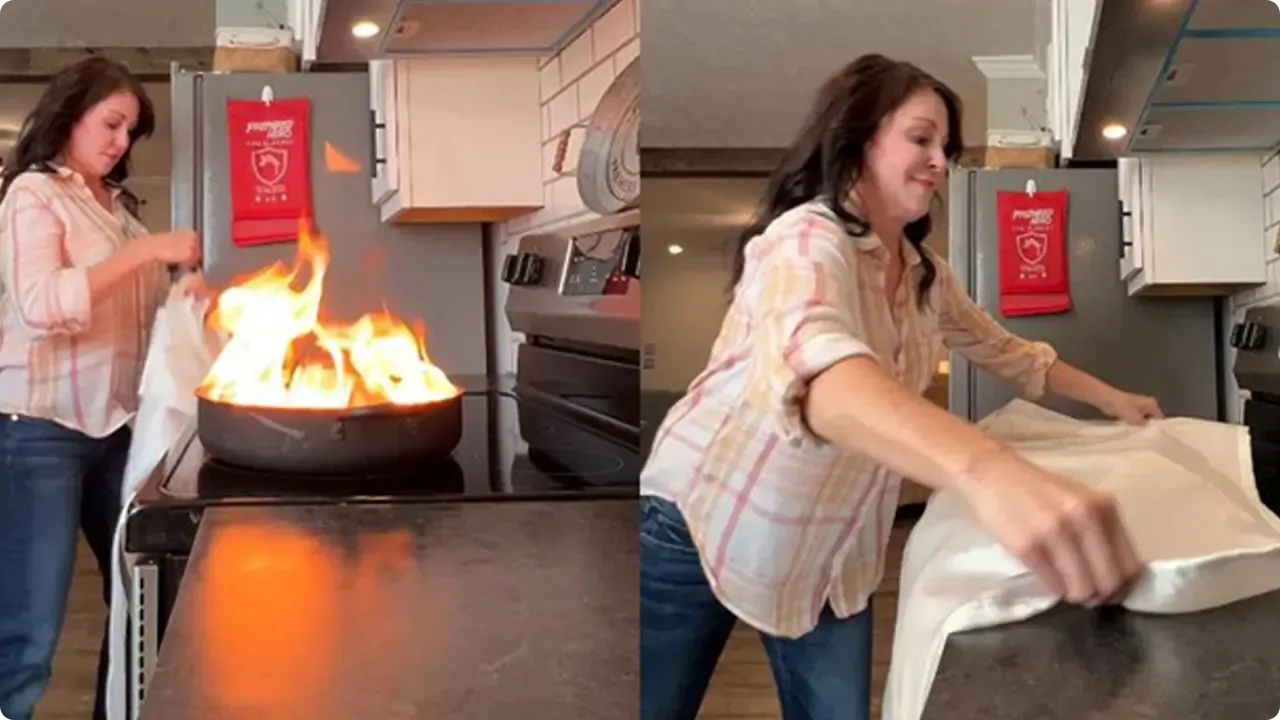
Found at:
[828, 153]
[73, 92]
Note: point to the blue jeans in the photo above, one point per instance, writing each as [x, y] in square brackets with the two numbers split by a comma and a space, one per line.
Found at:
[53, 481]
[824, 675]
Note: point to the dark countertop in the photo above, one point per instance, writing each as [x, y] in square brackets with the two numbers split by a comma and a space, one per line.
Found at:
[477, 611]
[1071, 663]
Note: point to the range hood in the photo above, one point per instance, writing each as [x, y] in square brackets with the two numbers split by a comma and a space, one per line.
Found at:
[1184, 76]
[416, 28]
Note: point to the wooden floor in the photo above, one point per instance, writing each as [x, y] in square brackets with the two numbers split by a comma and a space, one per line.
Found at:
[742, 688]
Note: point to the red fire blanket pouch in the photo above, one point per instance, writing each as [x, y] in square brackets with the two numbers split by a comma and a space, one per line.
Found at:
[270, 156]
[1032, 230]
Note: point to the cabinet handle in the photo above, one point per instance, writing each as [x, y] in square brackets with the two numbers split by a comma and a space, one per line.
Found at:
[1125, 216]
[374, 127]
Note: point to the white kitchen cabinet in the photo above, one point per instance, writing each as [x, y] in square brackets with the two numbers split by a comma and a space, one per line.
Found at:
[1130, 182]
[306, 19]
[461, 139]
[1071, 30]
[386, 166]
[1193, 225]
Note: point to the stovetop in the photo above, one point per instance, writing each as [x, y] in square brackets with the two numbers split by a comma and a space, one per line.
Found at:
[513, 447]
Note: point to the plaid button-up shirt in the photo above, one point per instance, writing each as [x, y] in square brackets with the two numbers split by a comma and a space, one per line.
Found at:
[63, 356]
[786, 523]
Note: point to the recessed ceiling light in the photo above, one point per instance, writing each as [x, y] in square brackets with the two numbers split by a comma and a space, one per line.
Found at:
[365, 29]
[675, 249]
[1114, 131]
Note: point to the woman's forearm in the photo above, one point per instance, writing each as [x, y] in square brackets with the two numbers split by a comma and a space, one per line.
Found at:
[108, 274]
[1076, 384]
[856, 405]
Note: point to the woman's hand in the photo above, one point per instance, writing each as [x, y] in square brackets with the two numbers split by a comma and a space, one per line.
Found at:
[1070, 535]
[1131, 408]
[1067, 533]
[193, 285]
[1076, 384]
[180, 247]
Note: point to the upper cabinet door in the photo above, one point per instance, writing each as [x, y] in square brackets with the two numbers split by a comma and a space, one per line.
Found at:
[306, 19]
[1072, 24]
[384, 167]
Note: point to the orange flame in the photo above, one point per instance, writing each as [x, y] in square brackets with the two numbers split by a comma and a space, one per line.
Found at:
[279, 353]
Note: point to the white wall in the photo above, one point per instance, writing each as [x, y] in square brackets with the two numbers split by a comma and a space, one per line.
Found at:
[1270, 292]
[572, 84]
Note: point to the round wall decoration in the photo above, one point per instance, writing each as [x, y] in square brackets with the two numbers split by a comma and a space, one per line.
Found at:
[609, 166]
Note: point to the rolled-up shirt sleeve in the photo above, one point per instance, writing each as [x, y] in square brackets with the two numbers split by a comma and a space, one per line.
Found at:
[969, 330]
[801, 288]
[49, 297]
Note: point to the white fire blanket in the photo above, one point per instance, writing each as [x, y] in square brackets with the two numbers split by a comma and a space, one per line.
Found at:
[1185, 488]
[179, 356]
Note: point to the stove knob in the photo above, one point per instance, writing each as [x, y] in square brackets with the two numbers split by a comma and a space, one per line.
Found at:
[529, 269]
[1255, 336]
[509, 266]
[1236, 340]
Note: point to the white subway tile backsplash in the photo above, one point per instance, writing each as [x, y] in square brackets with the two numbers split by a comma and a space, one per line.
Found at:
[576, 59]
[593, 85]
[571, 84]
[1271, 173]
[614, 29]
[564, 196]
[625, 55]
[564, 111]
[549, 79]
[549, 159]
[1273, 208]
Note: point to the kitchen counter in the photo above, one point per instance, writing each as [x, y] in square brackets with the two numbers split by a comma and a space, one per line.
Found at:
[482, 610]
[1071, 663]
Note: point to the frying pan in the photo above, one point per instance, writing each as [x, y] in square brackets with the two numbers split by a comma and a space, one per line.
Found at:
[338, 442]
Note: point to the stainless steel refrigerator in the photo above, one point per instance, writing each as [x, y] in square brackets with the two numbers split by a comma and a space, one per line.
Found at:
[1170, 348]
[434, 273]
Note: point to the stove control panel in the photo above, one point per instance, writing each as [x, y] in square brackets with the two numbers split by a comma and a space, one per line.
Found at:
[1256, 339]
[601, 263]
[578, 283]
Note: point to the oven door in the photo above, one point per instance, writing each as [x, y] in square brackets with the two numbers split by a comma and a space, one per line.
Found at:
[1262, 417]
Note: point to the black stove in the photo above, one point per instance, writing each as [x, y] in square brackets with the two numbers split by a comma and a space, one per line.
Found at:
[518, 443]
[1257, 370]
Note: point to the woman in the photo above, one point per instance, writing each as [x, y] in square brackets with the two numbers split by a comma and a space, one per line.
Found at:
[770, 490]
[80, 282]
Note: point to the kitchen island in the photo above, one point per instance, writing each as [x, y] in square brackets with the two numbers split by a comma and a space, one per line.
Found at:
[1072, 663]
[471, 610]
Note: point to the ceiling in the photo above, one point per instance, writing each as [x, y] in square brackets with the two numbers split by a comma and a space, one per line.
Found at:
[1184, 76]
[107, 23]
[742, 73]
[337, 44]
